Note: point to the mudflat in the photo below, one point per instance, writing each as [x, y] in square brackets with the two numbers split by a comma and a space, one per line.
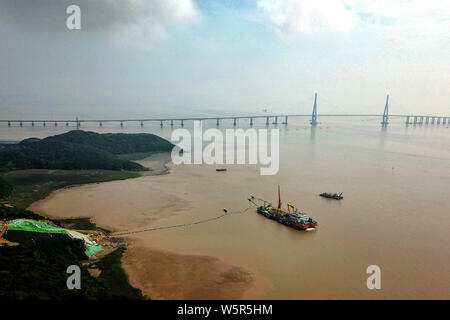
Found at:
[166, 275]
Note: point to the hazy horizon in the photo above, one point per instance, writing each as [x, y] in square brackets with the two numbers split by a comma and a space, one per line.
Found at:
[172, 57]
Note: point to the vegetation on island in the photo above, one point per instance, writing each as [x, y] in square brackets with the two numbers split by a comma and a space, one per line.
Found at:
[10, 213]
[36, 269]
[79, 149]
[30, 171]
[5, 188]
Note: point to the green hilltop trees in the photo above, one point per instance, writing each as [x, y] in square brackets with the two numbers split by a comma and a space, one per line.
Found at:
[80, 150]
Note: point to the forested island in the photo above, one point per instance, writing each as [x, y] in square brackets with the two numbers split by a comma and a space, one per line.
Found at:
[80, 150]
[29, 171]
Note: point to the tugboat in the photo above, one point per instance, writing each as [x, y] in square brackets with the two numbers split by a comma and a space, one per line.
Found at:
[332, 195]
[292, 218]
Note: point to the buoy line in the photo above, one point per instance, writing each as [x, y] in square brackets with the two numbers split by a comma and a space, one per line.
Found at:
[179, 225]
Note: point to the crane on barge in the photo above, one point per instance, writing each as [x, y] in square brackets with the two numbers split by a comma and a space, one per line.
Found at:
[293, 218]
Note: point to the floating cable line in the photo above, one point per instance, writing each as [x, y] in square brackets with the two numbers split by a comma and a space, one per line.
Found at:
[180, 225]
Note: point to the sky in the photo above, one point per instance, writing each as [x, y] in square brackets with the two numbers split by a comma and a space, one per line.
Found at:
[152, 58]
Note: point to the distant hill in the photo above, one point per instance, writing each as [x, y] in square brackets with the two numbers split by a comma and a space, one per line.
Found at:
[80, 150]
[116, 143]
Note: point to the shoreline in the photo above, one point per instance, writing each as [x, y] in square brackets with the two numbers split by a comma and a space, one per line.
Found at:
[159, 167]
[153, 269]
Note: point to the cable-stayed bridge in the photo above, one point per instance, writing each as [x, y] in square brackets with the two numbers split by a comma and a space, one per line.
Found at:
[274, 119]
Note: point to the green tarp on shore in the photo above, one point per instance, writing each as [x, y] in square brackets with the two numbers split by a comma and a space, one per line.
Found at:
[35, 226]
[42, 227]
[91, 249]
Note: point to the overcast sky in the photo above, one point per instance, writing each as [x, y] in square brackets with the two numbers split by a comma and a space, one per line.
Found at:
[210, 57]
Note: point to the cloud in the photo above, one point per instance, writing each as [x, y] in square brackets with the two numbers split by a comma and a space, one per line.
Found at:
[399, 20]
[413, 21]
[291, 17]
[131, 20]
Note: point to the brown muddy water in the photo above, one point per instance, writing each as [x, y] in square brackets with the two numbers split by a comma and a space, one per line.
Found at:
[395, 214]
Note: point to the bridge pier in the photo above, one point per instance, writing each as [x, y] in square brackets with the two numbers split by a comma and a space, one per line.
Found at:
[275, 121]
[283, 118]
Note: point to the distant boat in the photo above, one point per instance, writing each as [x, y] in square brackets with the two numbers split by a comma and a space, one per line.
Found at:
[332, 195]
[221, 169]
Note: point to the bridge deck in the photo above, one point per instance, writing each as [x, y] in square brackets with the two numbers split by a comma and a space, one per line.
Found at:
[218, 118]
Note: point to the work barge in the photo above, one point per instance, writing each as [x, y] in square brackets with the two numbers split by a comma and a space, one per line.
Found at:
[293, 217]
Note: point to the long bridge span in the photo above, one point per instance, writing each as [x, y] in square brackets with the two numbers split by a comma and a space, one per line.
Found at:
[268, 118]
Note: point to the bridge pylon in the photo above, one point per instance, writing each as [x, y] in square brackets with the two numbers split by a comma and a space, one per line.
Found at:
[386, 112]
[314, 113]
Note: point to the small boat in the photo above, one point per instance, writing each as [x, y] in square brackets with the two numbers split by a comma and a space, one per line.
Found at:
[221, 169]
[332, 195]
